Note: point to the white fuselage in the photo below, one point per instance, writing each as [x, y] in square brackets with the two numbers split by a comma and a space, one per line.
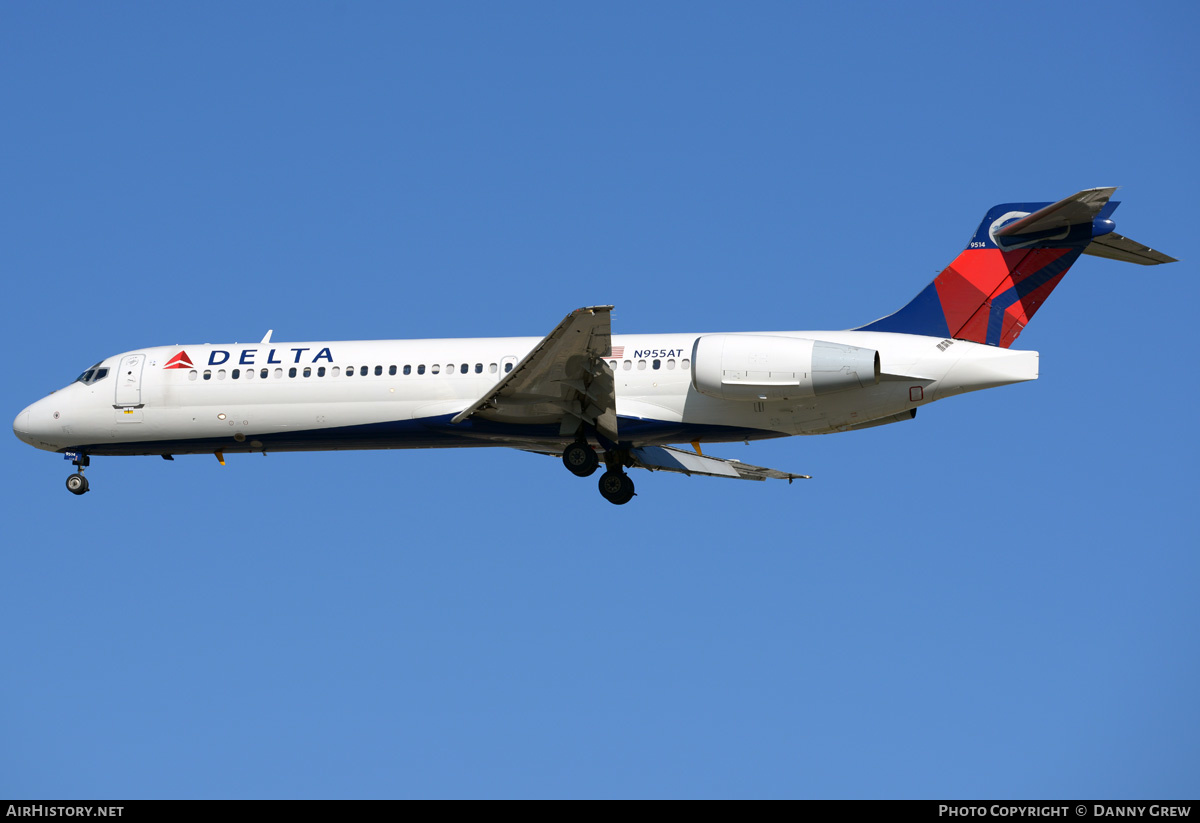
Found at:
[312, 396]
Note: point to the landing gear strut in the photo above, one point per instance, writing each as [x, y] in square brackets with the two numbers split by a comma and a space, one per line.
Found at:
[616, 487]
[580, 459]
[77, 483]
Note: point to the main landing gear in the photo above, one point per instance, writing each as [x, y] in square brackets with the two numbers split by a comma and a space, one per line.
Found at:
[616, 487]
[77, 483]
[580, 459]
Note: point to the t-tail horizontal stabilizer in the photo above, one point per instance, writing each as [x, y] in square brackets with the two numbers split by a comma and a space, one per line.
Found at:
[1115, 247]
[1082, 216]
[1016, 257]
[667, 459]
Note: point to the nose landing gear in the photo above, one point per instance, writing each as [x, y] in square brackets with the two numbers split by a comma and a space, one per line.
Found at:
[77, 483]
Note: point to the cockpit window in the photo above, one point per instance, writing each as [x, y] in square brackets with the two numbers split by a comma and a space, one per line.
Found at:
[92, 375]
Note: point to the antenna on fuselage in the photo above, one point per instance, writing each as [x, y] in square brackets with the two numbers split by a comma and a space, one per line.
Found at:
[267, 337]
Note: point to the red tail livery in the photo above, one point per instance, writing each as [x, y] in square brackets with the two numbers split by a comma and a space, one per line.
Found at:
[1017, 256]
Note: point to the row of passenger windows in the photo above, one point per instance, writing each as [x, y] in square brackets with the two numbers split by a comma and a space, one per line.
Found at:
[684, 364]
[378, 371]
[351, 371]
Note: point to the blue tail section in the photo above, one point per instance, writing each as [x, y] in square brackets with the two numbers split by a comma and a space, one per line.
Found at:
[1016, 257]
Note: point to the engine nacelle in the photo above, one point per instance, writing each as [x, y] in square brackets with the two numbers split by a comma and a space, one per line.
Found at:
[765, 367]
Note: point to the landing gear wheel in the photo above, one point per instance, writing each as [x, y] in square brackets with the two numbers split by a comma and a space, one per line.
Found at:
[580, 459]
[616, 487]
[77, 484]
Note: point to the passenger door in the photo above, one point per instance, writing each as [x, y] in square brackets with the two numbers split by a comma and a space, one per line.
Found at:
[129, 381]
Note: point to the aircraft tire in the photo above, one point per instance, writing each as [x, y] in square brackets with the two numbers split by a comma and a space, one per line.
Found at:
[616, 487]
[77, 484]
[580, 459]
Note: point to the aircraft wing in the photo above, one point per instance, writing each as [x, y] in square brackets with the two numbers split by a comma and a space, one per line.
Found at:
[667, 459]
[564, 379]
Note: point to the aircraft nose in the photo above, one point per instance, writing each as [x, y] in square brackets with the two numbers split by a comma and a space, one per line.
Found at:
[35, 426]
[21, 426]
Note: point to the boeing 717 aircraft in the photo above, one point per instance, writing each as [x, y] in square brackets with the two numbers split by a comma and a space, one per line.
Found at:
[585, 394]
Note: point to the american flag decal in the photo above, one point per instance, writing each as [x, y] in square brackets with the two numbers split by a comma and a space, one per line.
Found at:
[617, 351]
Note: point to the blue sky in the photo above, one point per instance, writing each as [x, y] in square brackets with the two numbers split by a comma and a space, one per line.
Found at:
[996, 600]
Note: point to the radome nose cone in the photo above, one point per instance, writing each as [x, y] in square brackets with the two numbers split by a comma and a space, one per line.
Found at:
[21, 426]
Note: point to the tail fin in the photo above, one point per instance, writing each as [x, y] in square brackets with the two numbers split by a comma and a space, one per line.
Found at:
[1017, 256]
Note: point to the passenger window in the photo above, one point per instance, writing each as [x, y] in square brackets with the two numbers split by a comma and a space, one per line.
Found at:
[192, 374]
[349, 371]
[263, 374]
[641, 365]
[491, 368]
[207, 374]
[378, 371]
[220, 374]
[421, 369]
[479, 368]
[392, 371]
[670, 364]
[466, 367]
[685, 364]
[626, 364]
[656, 364]
[307, 371]
[249, 374]
[408, 369]
[612, 364]
[235, 374]
[278, 373]
[435, 369]
[450, 369]
[362, 371]
[320, 371]
[507, 367]
[336, 371]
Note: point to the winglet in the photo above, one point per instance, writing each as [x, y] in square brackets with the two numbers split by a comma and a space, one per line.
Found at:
[266, 337]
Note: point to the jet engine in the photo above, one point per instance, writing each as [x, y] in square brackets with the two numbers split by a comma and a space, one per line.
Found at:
[766, 367]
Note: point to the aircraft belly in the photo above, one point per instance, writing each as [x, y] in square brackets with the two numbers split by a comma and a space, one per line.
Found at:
[840, 412]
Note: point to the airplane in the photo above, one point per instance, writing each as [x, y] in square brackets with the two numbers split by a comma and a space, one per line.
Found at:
[583, 394]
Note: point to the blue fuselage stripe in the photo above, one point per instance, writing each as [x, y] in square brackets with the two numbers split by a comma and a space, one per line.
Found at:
[429, 432]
